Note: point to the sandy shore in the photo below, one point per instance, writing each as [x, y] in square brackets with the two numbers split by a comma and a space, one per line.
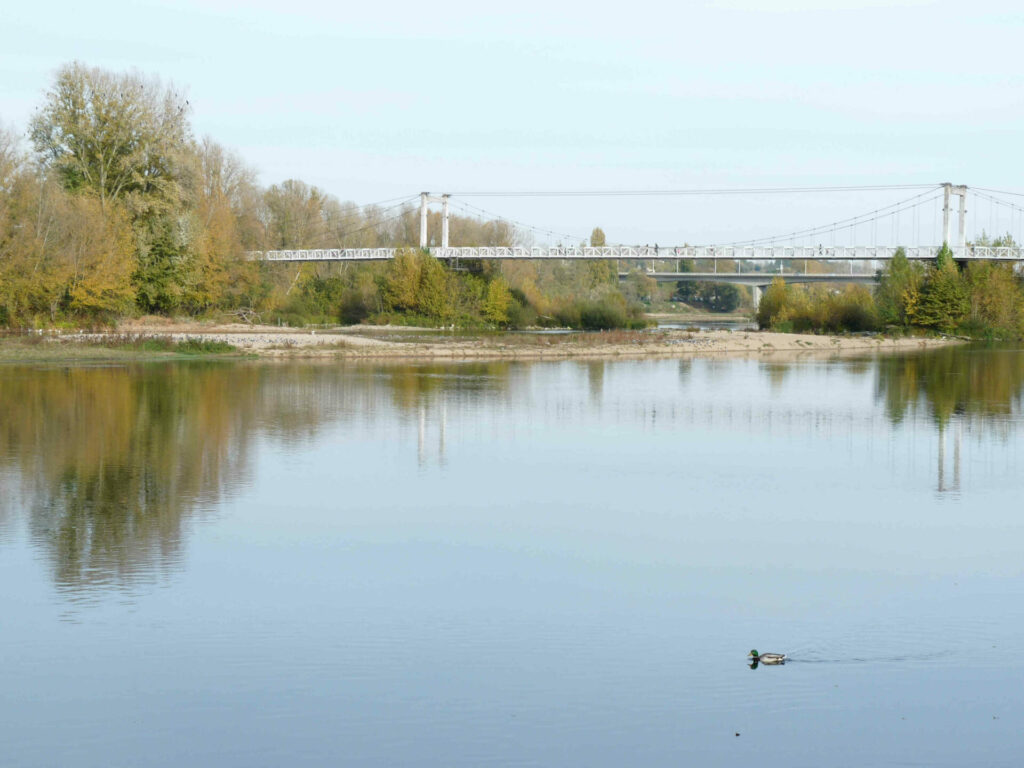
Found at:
[367, 342]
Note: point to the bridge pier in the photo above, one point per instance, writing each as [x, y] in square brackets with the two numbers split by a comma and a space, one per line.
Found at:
[755, 292]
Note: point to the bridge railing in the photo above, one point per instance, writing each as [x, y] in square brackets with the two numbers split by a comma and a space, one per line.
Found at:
[647, 253]
[325, 254]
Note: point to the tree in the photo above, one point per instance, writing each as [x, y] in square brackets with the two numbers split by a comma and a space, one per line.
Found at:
[220, 204]
[61, 253]
[594, 277]
[1000, 241]
[10, 159]
[943, 302]
[120, 136]
[638, 286]
[296, 216]
[497, 302]
[717, 297]
[597, 239]
[996, 299]
[898, 284]
[10, 167]
[773, 303]
[361, 298]
[433, 298]
[99, 251]
[725, 297]
[944, 258]
[402, 282]
[163, 266]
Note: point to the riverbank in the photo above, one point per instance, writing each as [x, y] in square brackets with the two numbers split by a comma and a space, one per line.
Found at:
[167, 339]
[110, 347]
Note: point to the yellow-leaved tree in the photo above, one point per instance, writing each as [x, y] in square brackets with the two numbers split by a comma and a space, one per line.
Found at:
[98, 251]
[497, 302]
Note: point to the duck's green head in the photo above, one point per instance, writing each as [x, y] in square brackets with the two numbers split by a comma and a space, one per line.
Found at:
[753, 654]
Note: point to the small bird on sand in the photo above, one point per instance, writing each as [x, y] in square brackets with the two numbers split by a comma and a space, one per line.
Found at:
[767, 658]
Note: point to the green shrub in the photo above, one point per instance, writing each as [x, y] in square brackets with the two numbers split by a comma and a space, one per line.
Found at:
[852, 309]
[355, 306]
[790, 309]
[521, 314]
[602, 315]
[204, 347]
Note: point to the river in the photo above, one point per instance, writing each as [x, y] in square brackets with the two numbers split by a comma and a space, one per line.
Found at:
[510, 563]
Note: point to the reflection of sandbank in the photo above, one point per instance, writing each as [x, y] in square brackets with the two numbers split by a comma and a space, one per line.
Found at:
[362, 342]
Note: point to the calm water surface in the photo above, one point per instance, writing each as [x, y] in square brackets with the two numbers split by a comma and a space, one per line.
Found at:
[566, 563]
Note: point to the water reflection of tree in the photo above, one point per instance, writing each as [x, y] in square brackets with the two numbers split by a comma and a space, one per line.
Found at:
[413, 385]
[595, 379]
[111, 460]
[422, 388]
[109, 464]
[956, 385]
[776, 373]
[964, 381]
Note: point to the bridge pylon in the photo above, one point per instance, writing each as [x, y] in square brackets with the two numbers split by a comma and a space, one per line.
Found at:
[948, 190]
[425, 200]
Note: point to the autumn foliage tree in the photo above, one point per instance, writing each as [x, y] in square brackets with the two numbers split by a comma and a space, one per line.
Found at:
[497, 302]
[120, 136]
[942, 302]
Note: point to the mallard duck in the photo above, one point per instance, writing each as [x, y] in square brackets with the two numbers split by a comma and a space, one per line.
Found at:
[768, 658]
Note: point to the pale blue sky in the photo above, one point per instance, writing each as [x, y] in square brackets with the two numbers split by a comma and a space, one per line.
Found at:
[372, 101]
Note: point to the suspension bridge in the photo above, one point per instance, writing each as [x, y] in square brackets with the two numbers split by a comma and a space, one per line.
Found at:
[754, 263]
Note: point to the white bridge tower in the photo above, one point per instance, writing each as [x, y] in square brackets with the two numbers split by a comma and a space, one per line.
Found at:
[948, 190]
[425, 200]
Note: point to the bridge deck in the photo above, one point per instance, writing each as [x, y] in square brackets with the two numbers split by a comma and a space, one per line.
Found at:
[757, 278]
[625, 252]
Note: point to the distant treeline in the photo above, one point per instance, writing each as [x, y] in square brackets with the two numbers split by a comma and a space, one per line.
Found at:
[983, 300]
[115, 209]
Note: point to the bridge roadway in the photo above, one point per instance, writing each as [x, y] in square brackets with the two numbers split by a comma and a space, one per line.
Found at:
[648, 253]
[757, 279]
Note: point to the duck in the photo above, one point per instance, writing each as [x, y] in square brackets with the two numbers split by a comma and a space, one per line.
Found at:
[767, 658]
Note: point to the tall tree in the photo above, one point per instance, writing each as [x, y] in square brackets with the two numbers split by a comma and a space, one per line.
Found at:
[10, 158]
[118, 135]
[497, 302]
[63, 253]
[402, 282]
[898, 284]
[943, 302]
[219, 211]
[296, 215]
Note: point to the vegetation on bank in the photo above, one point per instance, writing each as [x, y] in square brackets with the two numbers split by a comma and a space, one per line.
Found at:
[984, 300]
[116, 209]
[35, 347]
[416, 289]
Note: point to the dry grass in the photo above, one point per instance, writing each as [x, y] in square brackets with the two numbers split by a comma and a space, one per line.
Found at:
[575, 339]
[48, 347]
